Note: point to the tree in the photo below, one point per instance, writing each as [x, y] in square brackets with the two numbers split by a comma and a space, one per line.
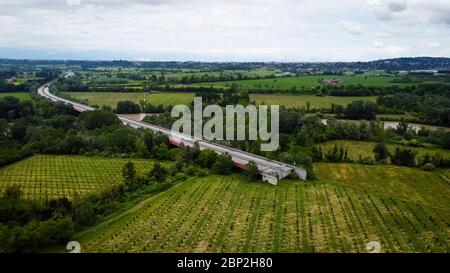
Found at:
[404, 157]
[223, 164]
[446, 140]
[91, 120]
[128, 171]
[148, 139]
[207, 158]
[381, 152]
[361, 109]
[305, 161]
[158, 172]
[251, 171]
[122, 140]
[12, 108]
[72, 144]
[160, 152]
[190, 154]
[160, 138]
[377, 130]
[127, 107]
[19, 128]
[4, 128]
[402, 127]
[84, 213]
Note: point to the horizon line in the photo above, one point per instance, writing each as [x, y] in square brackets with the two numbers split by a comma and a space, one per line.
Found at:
[193, 61]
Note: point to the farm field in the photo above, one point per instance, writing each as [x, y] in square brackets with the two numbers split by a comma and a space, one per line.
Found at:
[19, 95]
[47, 176]
[22, 80]
[364, 149]
[246, 73]
[308, 81]
[90, 77]
[227, 214]
[112, 98]
[412, 184]
[301, 100]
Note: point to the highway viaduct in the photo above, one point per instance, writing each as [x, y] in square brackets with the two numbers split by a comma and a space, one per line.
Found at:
[271, 171]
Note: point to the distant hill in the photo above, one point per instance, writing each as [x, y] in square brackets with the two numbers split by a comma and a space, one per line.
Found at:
[417, 63]
[410, 63]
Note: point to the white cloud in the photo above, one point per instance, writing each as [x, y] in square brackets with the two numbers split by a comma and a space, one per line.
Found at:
[378, 44]
[73, 2]
[395, 6]
[286, 30]
[352, 27]
[412, 11]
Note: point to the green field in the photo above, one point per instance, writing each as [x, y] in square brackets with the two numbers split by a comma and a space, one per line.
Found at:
[112, 98]
[45, 176]
[308, 81]
[245, 73]
[411, 184]
[363, 149]
[301, 100]
[95, 78]
[405, 209]
[22, 80]
[226, 214]
[19, 95]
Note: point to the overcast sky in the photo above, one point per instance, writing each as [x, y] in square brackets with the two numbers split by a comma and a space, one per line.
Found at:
[224, 30]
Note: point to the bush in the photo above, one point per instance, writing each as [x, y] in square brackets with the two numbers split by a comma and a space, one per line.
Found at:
[223, 164]
[367, 161]
[180, 176]
[251, 171]
[404, 157]
[207, 158]
[190, 170]
[381, 152]
[428, 167]
[158, 172]
[202, 173]
[127, 107]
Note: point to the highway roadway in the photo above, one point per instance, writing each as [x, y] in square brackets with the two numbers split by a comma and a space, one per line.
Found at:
[270, 170]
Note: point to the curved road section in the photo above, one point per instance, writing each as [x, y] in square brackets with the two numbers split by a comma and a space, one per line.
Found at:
[270, 170]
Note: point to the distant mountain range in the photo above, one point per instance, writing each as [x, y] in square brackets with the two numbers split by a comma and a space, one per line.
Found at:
[410, 63]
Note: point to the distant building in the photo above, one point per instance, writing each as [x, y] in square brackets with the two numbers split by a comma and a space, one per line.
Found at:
[332, 81]
[285, 74]
[423, 72]
[11, 80]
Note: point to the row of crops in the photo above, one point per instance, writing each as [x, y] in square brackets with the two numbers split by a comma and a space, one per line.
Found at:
[46, 176]
[225, 214]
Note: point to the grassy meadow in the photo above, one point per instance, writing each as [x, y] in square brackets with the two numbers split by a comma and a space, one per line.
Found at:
[308, 81]
[363, 149]
[19, 95]
[112, 98]
[302, 100]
